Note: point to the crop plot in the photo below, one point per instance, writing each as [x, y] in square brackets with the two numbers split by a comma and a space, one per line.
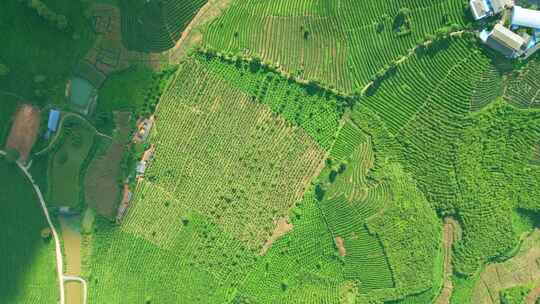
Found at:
[226, 157]
[155, 27]
[24, 131]
[27, 274]
[102, 190]
[340, 43]
[66, 163]
[523, 87]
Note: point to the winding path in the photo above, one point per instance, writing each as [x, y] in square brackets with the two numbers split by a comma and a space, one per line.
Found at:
[59, 258]
[59, 131]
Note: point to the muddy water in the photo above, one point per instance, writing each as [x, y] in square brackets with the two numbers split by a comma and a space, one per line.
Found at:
[71, 235]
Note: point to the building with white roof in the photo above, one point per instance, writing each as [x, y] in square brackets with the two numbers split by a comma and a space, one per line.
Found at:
[522, 17]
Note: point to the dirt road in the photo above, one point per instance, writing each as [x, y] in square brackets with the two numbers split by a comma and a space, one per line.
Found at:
[449, 236]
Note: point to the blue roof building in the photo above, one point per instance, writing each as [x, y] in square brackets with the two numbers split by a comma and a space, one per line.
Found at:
[54, 118]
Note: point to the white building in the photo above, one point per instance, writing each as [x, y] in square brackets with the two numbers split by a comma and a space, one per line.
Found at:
[522, 17]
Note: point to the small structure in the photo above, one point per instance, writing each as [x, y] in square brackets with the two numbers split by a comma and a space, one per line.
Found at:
[147, 157]
[506, 42]
[522, 17]
[52, 125]
[126, 199]
[486, 8]
[144, 126]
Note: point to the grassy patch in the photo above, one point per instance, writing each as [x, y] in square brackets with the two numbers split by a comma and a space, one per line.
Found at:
[27, 274]
[66, 163]
[114, 95]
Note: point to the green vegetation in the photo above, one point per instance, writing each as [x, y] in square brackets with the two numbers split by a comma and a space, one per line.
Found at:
[27, 274]
[339, 43]
[155, 26]
[39, 56]
[514, 295]
[67, 160]
[305, 152]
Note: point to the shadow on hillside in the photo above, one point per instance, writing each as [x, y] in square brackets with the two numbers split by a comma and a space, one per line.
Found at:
[27, 268]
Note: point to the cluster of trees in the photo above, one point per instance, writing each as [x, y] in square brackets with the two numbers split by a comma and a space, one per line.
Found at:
[402, 22]
[4, 70]
[312, 86]
[58, 20]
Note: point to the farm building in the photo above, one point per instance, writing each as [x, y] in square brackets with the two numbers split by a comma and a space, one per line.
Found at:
[485, 8]
[522, 17]
[147, 157]
[144, 126]
[126, 199]
[52, 125]
[505, 41]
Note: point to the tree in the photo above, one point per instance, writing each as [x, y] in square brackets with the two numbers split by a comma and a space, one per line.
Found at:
[12, 155]
[4, 70]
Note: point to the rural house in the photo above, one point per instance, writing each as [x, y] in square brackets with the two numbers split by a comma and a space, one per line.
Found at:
[486, 8]
[126, 199]
[506, 42]
[144, 126]
[503, 39]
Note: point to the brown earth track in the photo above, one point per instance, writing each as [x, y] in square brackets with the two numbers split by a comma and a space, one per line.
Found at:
[450, 230]
[24, 131]
[191, 35]
[283, 227]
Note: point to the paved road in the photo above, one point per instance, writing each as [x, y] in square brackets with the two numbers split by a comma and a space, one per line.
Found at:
[59, 258]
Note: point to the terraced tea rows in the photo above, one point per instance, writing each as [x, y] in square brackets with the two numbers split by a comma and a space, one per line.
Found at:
[315, 111]
[340, 43]
[156, 26]
[523, 88]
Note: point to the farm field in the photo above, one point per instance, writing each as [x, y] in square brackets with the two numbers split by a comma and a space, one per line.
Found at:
[103, 175]
[253, 152]
[67, 160]
[27, 274]
[339, 43]
[150, 26]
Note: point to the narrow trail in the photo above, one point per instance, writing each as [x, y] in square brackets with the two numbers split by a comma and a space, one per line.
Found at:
[61, 126]
[533, 295]
[449, 233]
[59, 258]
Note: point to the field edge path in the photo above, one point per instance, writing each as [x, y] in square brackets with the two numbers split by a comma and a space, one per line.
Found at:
[59, 258]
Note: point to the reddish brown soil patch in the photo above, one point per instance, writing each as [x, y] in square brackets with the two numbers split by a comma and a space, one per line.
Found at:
[24, 131]
[449, 236]
[533, 295]
[340, 246]
[102, 189]
[282, 227]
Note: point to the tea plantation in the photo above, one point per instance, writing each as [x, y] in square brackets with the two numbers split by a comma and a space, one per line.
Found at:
[309, 151]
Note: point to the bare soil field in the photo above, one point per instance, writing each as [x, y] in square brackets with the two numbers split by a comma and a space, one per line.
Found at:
[24, 131]
[282, 228]
[102, 190]
[520, 270]
[341, 246]
[191, 35]
[72, 243]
